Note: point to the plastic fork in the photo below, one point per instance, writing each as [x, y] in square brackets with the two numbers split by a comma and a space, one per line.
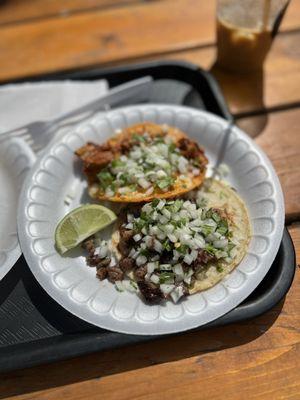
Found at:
[38, 134]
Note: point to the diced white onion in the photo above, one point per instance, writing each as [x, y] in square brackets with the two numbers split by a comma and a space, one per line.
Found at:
[141, 260]
[119, 285]
[161, 204]
[144, 183]
[172, 237]
[188, 259]
[150, 267]
[176, 294]
[137, 237]
[158, 246]
[166, 267]
[182, 164]
[166, 289]
[124, 190]
[166, 213]
[220, 244]
[150, 190]
[154, 278]
[161, 174]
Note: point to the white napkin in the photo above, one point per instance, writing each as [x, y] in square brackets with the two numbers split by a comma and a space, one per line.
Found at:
[27, 102]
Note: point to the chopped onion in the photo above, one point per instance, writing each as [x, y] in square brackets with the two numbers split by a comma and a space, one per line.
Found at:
[168, 228]
[166, 267]
[166, 289]
[158, 246]
[220, 244]
[166, 213]
[161, 204]
[137, 237]
[150, 267]
[144, 183]
[150, 190]
[119, 286]
[182, 164]
[161, 174]
[188, 259]
[154, 278]
[172, 237]
[141, 260]
[177, 293]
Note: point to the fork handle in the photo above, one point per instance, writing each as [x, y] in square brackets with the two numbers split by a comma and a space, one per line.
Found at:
[116, 96]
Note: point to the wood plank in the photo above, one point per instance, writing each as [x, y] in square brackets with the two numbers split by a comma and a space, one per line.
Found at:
[279, 86]
[278, 135]
[257, 359]
[13, 11]
[107, 36]
[19, 11]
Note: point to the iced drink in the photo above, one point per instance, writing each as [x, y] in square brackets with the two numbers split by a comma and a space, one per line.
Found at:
[245, 32]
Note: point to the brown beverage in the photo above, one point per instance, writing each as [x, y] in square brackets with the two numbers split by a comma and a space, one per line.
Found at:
[244, 33]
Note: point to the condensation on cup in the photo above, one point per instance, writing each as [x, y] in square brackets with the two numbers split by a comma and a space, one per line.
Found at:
[245, 31]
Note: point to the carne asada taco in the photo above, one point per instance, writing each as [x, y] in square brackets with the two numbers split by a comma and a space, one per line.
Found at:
[143, 162]
[172, 248]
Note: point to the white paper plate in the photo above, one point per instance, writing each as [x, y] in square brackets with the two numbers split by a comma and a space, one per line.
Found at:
[72, 284]
[16, 158]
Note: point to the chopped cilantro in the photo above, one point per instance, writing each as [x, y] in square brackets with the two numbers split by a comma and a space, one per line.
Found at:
[117, 163]
[155, 202]
[210, 249]
[105, 178]
[216, 217]
[165, 277]
[167, 245]
[165, 182]
[139, 138]
[183, 248]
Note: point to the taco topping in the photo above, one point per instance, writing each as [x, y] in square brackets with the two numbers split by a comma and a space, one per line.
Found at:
[142, 164]
[168, 244]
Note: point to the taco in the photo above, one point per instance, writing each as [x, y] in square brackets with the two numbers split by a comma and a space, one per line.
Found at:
[143, 162]
[172, 248]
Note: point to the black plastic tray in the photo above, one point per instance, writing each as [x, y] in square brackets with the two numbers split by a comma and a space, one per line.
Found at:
[34, 329]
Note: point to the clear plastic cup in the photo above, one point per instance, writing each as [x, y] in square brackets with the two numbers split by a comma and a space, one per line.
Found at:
[245, 31]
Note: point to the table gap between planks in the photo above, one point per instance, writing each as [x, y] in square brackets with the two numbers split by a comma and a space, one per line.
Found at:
[257, 359]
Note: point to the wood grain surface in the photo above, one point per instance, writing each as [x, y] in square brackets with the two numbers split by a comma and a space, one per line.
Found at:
[277, 87]
[111, 35]
[278, 135]
[20, 11]
[259, 359]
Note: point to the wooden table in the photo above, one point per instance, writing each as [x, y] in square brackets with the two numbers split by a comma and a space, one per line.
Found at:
[259, 359]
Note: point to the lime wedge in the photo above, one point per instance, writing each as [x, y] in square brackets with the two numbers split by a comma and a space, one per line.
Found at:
[81, 223]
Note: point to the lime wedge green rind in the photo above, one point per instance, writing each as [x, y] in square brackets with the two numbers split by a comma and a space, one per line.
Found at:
[81, 223]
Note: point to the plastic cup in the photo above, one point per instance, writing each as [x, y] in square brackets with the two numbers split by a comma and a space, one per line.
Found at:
[245, 31]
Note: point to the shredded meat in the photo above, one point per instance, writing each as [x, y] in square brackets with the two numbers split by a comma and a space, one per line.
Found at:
[127, 264]
[203, 258]
[124, 244]
[140, 273]
[189, 148]
[150, 292]
[88, 245]
[94, 158]
[115, 274]
[96, 261]
[101, 273]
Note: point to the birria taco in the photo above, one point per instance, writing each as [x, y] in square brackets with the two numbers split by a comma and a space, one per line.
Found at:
[143, 162]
